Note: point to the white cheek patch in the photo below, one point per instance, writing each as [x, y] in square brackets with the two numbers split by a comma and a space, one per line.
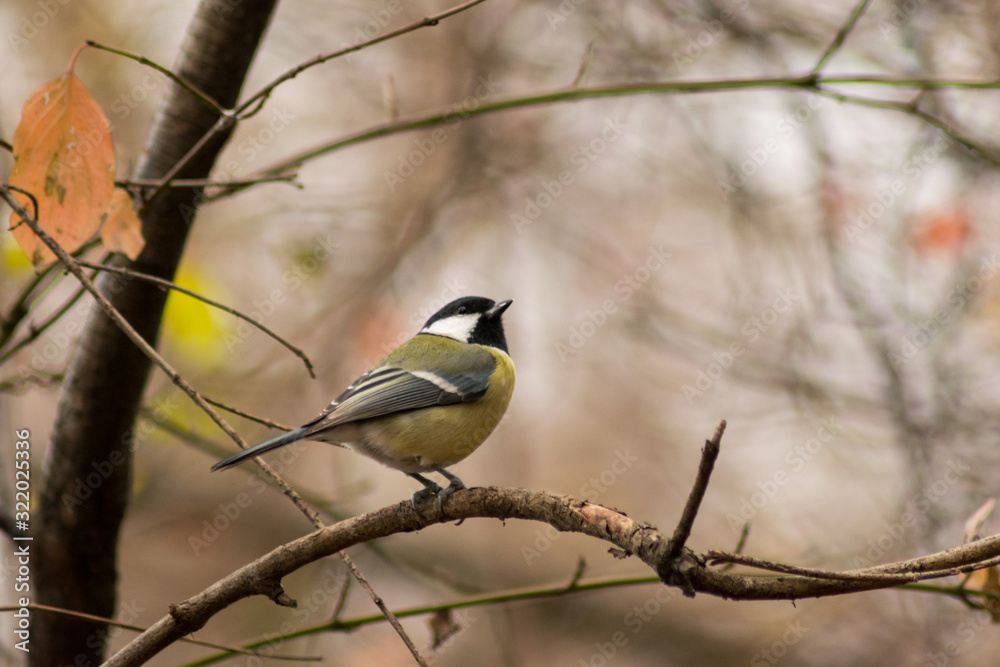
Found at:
[458, 327]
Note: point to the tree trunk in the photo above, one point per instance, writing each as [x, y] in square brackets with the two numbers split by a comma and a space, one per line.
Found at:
[88, 476]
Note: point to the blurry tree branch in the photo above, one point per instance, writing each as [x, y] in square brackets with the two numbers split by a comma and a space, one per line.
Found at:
[230, 650]
[166, 284]
[37, 330]
[811, 82]
[227, 120]
[841, 36]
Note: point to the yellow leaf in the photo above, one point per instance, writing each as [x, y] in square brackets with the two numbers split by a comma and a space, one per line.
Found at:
[63, 155]
[123, 230]
[192, 328]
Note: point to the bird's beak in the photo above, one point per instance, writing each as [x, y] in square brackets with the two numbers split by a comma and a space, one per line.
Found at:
[498, 308]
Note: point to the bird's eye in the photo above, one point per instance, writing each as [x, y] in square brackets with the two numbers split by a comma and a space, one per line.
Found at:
[462, 310]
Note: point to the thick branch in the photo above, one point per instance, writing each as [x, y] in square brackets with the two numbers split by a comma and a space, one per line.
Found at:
[689, 571]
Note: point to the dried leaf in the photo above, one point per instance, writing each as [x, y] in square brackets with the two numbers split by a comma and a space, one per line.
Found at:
[945, 232]
[442, 627]
[63, 155]
[123, 230]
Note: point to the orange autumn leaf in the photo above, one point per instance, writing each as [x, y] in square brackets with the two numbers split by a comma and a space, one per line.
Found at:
[122, 232]
[63, 155]
[946, 232]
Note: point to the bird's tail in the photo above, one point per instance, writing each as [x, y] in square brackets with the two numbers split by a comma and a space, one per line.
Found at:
[257, 450]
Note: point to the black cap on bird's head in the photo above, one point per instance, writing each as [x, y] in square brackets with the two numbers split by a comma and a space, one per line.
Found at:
[471, 319]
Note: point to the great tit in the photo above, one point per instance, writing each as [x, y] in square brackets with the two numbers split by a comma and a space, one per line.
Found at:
[429, 404]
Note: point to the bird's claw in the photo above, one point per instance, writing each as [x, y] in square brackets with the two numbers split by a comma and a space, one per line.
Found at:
[441, 494]
[425, 493]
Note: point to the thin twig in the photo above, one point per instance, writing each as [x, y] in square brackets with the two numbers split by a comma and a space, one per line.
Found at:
[380, 603]
[841, 35]
[247, 415]
[740, 545]
[210, 183]
[221, 306]
[338, 608]
[221, 124]
[14, 384]
[910, 109]
[889, 574]
[38, 330]
[191, 88]
[19, 310]
[210, 448]
[451, 114]
[245, 110]
[581, 72]
[137, 628]
[500, 597]
[581, 567]
[708, 456]
[428, 21]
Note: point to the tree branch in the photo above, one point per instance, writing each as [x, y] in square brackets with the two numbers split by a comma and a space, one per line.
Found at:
[690, 571]
[808, 82]
[167, 284]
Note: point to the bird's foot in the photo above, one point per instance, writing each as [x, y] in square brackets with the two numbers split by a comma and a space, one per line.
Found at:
[430, 488]
[456, 484]
[423, 494]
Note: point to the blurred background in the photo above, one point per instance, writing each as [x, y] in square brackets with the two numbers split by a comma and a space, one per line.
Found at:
[820, 273]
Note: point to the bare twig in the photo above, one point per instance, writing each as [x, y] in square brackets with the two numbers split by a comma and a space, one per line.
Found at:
[247, 415]
[911, 109]
[16, 383]
[428, 21]
[338, 608]
[495, 598]
[380, 603]
[741, 544]
[943, 564]
[708, 456]
[137, 628]
[38, 330]
[256, 102]
[180, 81]
[210, 183]
[838, 40]
[221, 306]
[451, 114]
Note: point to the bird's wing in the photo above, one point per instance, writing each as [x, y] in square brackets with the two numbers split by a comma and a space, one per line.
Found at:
[388, 389]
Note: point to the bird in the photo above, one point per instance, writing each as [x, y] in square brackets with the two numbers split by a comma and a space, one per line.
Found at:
[427, 405]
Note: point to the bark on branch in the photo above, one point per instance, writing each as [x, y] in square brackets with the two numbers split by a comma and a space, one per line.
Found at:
[689, 571]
